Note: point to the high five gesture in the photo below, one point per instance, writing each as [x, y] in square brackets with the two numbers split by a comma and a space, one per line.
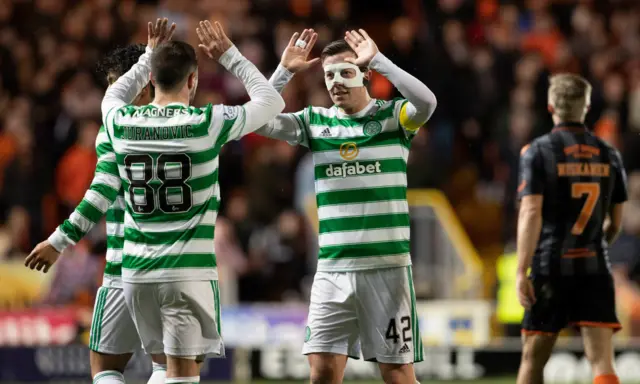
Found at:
[363, 45]
[294, 57]
[159, 33]
[213, 41]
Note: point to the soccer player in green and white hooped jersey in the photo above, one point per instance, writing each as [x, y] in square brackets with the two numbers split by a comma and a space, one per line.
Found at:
[167, 154]
[362, 295]
[113, 336]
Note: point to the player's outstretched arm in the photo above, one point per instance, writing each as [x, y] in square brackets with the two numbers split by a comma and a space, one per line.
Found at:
[102, 193]
[129, 85]
[295, 58]
[265, 103]
[422, 102]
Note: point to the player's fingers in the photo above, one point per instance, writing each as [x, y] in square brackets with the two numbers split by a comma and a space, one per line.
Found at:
[356, 36]
[33, 262]
[172, 30]
[532, 294]
[350, 40]
[163, 25]
[200, 35]
[205, 32]
[211, 30]
[165, 29]
[47, 267]
[294, 38]
[220, 31]
[350, 60]
[150, 29]
[156, 29]
[305, 35]
[364, 34]
[39, 265]
[312, 42]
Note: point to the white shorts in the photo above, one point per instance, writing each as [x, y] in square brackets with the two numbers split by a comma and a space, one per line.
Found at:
[112, 330]
[373, 310]
[180, 318]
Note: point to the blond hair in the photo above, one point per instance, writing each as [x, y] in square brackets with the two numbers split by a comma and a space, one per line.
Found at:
[570, 96]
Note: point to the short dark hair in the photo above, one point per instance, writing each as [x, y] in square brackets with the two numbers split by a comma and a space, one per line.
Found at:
[119, 61]
[335, 48]
[171, 64]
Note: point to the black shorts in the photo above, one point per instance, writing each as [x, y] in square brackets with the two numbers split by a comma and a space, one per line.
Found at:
[581, 301]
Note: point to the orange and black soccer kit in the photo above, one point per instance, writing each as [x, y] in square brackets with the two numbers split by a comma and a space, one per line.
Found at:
[579, 177]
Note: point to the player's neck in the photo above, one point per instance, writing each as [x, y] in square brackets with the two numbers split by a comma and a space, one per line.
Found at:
[164, 99]
[358, 106]
[558, 121]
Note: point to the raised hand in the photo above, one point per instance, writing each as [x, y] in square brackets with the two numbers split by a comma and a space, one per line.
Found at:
[214, 42]
[364, 46]
[159, 33]
[42, 257]
[294, 57]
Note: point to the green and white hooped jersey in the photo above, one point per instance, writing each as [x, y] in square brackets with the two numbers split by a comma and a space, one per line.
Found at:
[168, 163]
[361, 185]
[104, 197]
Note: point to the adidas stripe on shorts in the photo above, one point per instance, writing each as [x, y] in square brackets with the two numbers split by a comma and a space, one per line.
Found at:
[112, 329]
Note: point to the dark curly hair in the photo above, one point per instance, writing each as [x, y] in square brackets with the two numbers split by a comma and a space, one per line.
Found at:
[119, 61]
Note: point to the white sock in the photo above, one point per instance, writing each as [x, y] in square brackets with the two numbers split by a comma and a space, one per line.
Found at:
[183, 380]
[108, 377]
[159, 374]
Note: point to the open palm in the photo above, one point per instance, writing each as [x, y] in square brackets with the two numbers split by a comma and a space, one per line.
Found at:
[294, 58]
[363, 45]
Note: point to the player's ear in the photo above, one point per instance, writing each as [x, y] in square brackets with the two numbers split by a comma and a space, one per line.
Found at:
[191, 80]
[151, 79]
[368, 74]
[550, 108]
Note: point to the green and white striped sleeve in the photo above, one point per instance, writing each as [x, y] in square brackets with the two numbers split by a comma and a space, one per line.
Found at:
[100, 196]
[289, 127]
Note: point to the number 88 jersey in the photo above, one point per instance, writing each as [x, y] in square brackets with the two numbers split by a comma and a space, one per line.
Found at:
[579, 177]
[168, 163]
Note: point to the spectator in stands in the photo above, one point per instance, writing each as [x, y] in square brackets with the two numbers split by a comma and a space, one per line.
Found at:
[76, 168]
[281, 249]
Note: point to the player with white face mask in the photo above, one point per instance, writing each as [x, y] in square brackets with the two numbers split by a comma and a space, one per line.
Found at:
[362, 298]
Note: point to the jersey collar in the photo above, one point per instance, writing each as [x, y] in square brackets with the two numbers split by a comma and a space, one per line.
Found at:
[170, 105]
[570, 126]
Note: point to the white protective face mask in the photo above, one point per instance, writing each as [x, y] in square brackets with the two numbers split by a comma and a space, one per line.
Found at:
[357, 81]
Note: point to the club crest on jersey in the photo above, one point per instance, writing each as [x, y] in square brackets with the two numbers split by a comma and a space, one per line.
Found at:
[349, 150]
[230, 113]
[372, 128]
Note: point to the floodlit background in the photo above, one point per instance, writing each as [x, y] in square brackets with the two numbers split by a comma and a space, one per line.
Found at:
[487, 61]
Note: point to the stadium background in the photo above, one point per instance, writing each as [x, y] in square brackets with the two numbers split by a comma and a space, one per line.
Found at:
[486, 60]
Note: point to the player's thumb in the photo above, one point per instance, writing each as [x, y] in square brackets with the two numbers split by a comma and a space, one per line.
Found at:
[206, 50]
[313, 62]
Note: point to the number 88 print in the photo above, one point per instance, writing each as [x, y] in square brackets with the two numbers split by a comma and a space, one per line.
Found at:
[141, 172]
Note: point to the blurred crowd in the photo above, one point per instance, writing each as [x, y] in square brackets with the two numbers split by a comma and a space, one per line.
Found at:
[487, 61]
